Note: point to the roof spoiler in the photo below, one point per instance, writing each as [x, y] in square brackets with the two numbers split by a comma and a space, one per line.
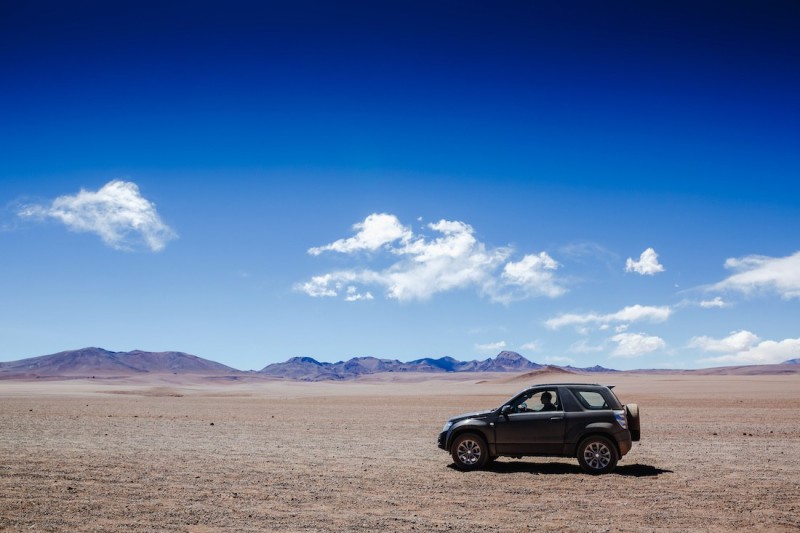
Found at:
[610, 386]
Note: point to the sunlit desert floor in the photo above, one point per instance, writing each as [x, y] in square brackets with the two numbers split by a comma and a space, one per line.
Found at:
[718, 453]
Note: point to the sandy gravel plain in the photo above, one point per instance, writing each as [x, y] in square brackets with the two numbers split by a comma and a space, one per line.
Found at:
[718, 453]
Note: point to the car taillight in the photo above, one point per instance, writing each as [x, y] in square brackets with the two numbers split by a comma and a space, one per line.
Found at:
[622, 418]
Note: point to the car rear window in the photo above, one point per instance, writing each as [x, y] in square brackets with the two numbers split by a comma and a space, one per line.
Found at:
[595, 400]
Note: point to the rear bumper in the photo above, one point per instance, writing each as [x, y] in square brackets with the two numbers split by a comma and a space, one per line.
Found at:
[624, 442]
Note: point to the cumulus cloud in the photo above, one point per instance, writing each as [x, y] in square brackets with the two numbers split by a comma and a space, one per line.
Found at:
[737, 341]
[117, 212]
[743, 347]
[646, 265]
[376, 231]
[423, 266]
[633, 313]
[758, 273]
[491, 347]
[636, 344]
[534, 275]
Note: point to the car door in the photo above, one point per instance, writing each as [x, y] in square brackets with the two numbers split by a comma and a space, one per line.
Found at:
[530, 431]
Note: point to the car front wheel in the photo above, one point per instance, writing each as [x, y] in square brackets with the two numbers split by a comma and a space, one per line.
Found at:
[597, 455]
[469, 452]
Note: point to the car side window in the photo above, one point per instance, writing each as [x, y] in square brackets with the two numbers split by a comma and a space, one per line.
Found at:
[592, 400]
[538, 401]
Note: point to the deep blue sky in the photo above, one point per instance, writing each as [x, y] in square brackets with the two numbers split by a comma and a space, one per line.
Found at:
[589, 131]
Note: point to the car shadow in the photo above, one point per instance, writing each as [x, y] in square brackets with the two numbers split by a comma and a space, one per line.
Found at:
[516, 467]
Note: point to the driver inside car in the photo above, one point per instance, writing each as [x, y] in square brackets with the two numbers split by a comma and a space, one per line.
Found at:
[547, 402]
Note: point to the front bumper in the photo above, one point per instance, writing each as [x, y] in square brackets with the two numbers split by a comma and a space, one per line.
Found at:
[441, 442]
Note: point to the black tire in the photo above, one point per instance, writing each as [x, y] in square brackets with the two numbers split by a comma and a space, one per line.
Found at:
[469, 452]
[597, 455]
[632, 411]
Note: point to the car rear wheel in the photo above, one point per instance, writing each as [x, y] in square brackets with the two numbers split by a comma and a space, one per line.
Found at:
[469, 451]
[597, 455]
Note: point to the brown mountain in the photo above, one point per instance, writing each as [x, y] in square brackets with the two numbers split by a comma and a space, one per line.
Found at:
[100, 362]
[558, 373]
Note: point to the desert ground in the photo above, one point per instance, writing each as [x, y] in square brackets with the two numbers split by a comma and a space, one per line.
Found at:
[174, 453]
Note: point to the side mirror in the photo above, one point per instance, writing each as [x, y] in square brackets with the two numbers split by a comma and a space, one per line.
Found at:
[505, 410]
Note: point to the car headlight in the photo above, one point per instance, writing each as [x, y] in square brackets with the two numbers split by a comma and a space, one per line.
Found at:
[447, 425]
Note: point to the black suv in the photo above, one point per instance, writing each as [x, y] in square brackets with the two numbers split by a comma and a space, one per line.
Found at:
[562, 419]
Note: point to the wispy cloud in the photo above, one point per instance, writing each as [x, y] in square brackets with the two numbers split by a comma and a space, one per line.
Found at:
[633, 313]
[559, 360]
[582, 346]
[744, 347]
[491, 347]
[117, 212]
[423, 266]
[756, 273]
[647, 265]
[716, 302]
[584, 252]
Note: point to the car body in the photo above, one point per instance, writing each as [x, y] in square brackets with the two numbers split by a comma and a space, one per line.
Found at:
[580, 420]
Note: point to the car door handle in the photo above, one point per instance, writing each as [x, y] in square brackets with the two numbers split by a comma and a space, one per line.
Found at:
[556, 418]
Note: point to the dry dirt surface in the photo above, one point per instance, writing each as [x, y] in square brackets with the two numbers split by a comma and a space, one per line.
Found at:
[718, 453]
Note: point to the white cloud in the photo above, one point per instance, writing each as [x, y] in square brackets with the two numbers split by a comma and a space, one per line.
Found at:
[423, 266]
[531, 346]
[760, 273]
[377, 230]
[646, 265]
[716, 302]
[117, 213]
[491, 347]
[635, 344]
[633, 313]
[735, 342]
[749, 351]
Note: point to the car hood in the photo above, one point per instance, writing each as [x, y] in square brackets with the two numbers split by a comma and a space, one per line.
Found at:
[476, 414]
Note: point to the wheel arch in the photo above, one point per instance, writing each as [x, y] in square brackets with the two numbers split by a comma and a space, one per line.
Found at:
[598, 433]
[479, 429]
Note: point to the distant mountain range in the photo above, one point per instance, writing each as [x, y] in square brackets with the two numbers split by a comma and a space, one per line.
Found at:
[307, 368]
[91, 362]
[88, 362]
